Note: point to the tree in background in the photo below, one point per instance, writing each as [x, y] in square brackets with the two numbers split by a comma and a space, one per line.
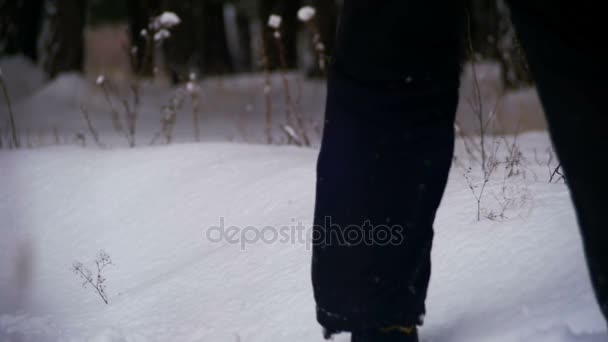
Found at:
[493, 38]
[64, 42]
[103, 12]
[216, 36]
[20, 24]
[215, 48]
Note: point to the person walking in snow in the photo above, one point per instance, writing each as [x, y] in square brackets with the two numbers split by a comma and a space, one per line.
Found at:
[388, 142]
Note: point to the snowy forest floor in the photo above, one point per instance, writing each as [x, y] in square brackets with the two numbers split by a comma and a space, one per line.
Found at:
[516, 275]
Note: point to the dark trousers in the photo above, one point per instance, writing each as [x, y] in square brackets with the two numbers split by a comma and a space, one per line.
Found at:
[388, 143]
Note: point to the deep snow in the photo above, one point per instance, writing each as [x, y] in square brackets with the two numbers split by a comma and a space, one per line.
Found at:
[520, 279]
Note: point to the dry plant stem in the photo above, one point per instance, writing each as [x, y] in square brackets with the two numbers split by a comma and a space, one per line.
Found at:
[268, 100]
[267, 93]
[283, 65]
[56, 136]
[491, 167]
[515, 156]
[115, 115]
[477, 103]
[195, 116]
[89, 280]
[40, 137]
[303, 139]
[467, 141]
[318, 46]
[556, 172]
[92, 130]
[28, 141]
[488, 162]
[98, 283]
[11, 115]
[132, 113]
[552, 171]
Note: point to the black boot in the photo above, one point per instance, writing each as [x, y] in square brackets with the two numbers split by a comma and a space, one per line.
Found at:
[386, 335]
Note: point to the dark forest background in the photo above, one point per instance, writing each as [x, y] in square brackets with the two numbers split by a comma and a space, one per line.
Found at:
[216, 37]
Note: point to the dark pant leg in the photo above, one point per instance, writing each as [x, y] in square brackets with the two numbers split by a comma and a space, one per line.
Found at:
[386, 152]
[564, 43]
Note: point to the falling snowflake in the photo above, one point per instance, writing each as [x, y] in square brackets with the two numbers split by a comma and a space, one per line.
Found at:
[100, 80]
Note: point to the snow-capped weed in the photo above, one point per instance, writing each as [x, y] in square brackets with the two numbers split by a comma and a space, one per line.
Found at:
[167, 20]
[306, 13]
[274, 21]
[90, 126]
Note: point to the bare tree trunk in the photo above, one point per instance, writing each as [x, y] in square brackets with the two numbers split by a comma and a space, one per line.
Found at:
[216, 54]
[493, 38]
[20, 24]
[64, 44]
[485, 28]
[243, 26]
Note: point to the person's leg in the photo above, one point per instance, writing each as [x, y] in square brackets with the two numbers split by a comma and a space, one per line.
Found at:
[564, 45]
[386, 152]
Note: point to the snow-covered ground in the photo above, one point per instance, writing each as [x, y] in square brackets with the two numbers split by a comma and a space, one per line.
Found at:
[519, 279]
[154, 210]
